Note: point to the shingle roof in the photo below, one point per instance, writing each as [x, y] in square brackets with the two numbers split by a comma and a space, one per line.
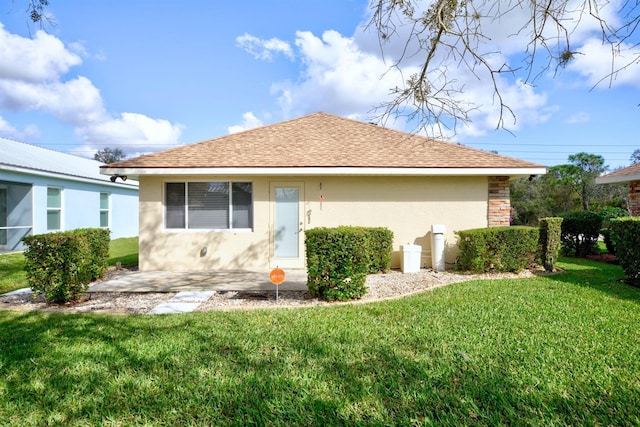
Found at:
[630, 173]
[37, 160]
[323, 140]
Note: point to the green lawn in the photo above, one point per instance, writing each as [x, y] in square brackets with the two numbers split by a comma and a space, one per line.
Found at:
[12, 275]
[556, 350]
[123, 250]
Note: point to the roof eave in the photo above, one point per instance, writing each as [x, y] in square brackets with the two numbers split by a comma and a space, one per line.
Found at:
[29, 171]
[618, 179]
[513, 172]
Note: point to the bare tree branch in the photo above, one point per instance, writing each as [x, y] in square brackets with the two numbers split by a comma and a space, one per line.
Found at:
[450, 33]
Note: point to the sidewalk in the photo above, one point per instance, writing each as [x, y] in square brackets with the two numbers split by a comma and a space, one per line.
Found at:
[215, 280]
[194, 287]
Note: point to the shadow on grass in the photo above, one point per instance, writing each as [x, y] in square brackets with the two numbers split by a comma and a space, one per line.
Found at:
[598, 275]
[284, 368]
[128, 260]
[124, 251]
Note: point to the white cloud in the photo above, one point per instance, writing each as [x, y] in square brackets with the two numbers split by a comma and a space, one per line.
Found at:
[74, 102]
[506, 37]
[339, 77]
[264, 49]
[32, 79]
[249, 121]
[137, 132]
[578, 118]
[599, 65]
[336, 77]
[8, 130]
[41, 59]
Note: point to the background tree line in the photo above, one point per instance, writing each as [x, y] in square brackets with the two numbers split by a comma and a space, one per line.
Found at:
[567, 188]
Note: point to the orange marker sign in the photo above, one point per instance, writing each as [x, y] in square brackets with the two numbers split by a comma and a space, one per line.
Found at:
[276, 276]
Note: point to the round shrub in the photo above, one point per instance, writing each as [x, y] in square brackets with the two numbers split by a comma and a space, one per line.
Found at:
[580, 232]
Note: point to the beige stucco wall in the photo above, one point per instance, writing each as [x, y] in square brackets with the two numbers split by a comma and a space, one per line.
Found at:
[406, 205]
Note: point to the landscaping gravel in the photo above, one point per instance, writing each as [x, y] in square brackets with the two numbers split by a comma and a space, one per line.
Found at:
[390, 285]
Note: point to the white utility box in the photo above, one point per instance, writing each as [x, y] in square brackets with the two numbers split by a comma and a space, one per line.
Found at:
[410, 262]
[437, 247]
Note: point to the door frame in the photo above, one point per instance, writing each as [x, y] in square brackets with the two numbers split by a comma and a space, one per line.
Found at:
[298, 262]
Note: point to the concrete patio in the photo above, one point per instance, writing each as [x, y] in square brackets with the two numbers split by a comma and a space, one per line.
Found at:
[215, 280]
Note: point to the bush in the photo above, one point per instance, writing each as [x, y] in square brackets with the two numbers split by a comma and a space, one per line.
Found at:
[608, 213]
[61, 265]
[580, 232]
[549, 247]
[98, 240]
[380, 248]
[497, 248]
[338, 261]
[626, 239]
[606, 235]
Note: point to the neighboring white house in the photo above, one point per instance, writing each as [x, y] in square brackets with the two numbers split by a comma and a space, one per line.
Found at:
[44, 191]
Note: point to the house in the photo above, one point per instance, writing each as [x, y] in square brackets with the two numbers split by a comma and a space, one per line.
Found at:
[243, 201]
[631, 176]
[43, 191]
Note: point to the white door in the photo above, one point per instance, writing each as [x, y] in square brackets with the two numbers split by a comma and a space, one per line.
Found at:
[287, 226]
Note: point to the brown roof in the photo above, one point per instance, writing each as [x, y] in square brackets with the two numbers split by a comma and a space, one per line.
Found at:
[628, 172]
[322, 140]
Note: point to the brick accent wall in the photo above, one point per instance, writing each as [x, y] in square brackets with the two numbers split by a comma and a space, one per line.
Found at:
[499, 209]
[634, 198]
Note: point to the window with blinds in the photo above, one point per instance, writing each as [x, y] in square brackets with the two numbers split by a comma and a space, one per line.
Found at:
[215, 205]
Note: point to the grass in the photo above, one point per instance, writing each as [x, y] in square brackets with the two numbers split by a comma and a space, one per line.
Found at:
[124, 251]
[12, 274]
[555, 350]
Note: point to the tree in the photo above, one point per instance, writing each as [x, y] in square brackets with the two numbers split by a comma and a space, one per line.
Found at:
[36, 10]
[539, 197]
[635, 156]
[580, 175]
[437, 35]
[109, 155]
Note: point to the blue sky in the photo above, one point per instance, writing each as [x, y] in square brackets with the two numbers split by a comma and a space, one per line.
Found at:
[145, 76]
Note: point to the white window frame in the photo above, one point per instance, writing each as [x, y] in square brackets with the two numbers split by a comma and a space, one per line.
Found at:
[55, 209]
[107, 210]
[186, 227]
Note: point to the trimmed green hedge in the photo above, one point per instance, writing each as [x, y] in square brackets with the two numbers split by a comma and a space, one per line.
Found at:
[550, 242]
[606, 236]
[339, 259]
[580, 232]
[98, 240]
[61, 265]
[497, 248]
[625, 233]
[380, 248]
[608, 213]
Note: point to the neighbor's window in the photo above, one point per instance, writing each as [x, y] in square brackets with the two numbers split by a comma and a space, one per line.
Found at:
[209, 205]
[54, 208]
[104, 210]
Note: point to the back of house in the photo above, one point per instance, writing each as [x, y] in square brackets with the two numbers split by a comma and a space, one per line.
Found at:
[244, 201]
